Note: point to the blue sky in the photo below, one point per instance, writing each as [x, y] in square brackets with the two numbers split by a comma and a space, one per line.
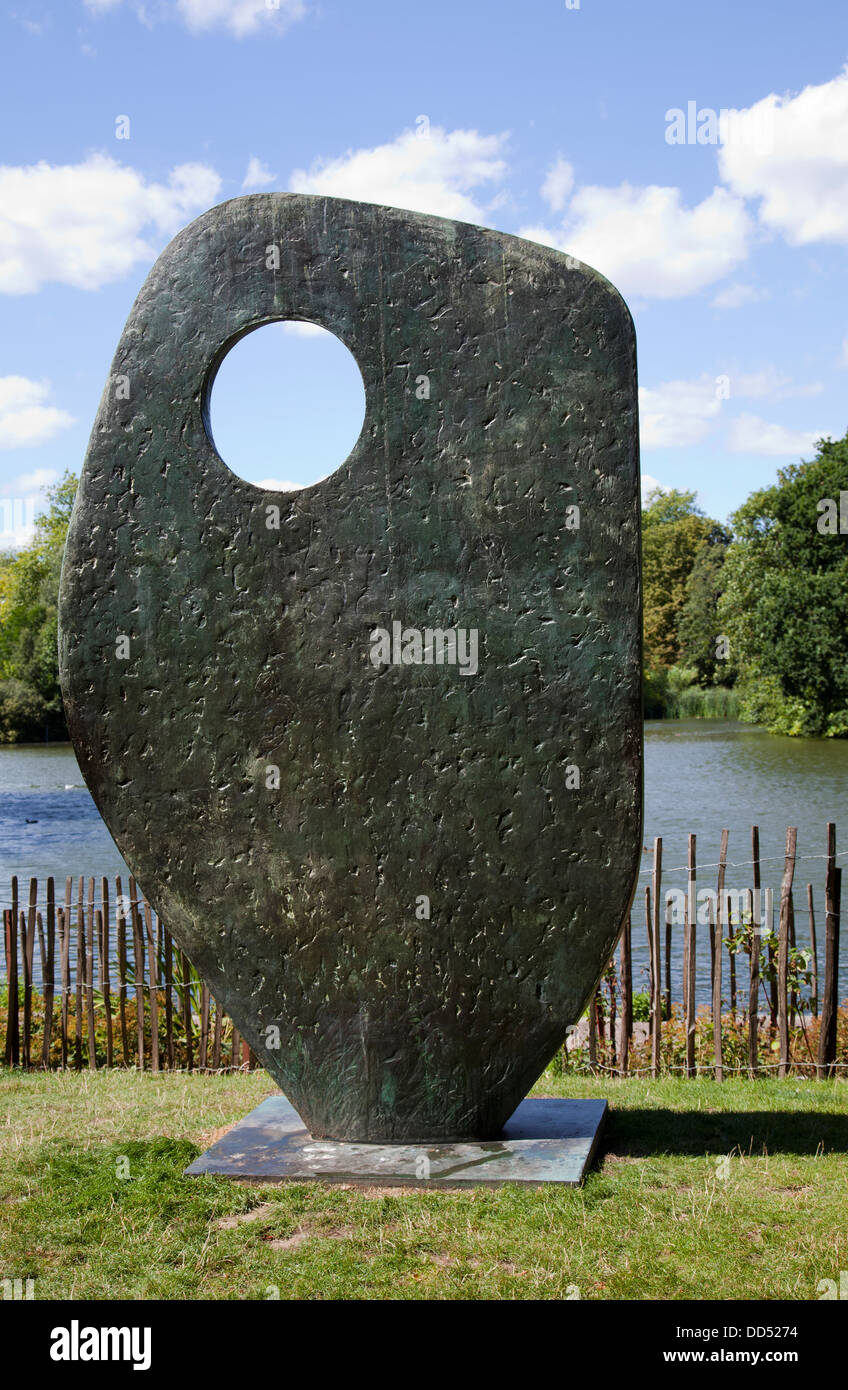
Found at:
[546, 120]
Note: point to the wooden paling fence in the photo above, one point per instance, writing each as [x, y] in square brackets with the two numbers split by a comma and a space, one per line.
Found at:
[788, 1005]
[126, 995]
[131, 998]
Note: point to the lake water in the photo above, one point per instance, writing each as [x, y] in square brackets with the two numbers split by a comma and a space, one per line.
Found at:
[700, 776]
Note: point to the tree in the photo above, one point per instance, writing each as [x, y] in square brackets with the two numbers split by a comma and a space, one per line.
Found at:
[702, 643]
[785, 601]
[30, 698]
[674, 531]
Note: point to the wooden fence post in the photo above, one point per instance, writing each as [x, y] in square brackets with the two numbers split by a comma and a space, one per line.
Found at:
[48, 974]
[169, 998]
[186, 1002]
[105, 973]
[656, 981]
[89, 991]
[716, 999]
[814, 955]
[783, 952]
[668, 956]
[754, 983]
[216, 1038]
[66, 968]
[691, 956]
[138, 960]
[204, 1027]
[29, 957]
[592, 1039]
[17, 974]
[154, 987]
[27, 989]
[626, 998]
[716, 936]
[827, 1027]
[12, 1052]
[652, 975]
[80, 974]
[121, 940]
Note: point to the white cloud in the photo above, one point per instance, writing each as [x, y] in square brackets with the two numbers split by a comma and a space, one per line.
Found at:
[648, 485]
[36, 481]
[436, 172]
[843, 359]
[240, 17]
[36, 27]
[769, 383]
[647, 243]
[678, 413]
[800, 173]
[25, 418]
[258, 175]
[301, 329]
[737, 295]
[751, 435]
[558, 184]
[87, 224]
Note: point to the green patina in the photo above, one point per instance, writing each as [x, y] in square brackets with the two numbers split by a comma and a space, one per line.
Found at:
[249, 647]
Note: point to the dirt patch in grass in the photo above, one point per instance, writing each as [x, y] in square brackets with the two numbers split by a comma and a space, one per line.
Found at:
[289, 1242]
[228, 1223]
[304, 1233]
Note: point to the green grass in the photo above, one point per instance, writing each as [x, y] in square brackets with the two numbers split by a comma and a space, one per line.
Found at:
[666, 1214]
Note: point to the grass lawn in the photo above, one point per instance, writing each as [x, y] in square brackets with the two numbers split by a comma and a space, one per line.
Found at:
[701, 1191]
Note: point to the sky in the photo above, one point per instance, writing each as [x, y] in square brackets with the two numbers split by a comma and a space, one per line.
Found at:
[594, 126]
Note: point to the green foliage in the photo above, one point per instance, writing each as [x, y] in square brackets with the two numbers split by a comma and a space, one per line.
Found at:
[654, 692]
[694, 702]
[683, 555]
[698, 622]
[675, 533]
[641, 1008]
[785, 601]
[30, 698]
[674, 693]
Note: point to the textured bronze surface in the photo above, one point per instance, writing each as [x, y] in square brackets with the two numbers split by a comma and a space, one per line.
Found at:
[212, 632]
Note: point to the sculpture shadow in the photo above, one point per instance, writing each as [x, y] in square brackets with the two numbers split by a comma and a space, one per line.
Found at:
[640, 1133]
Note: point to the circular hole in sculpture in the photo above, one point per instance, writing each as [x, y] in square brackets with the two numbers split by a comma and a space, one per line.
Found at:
[287, 405]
